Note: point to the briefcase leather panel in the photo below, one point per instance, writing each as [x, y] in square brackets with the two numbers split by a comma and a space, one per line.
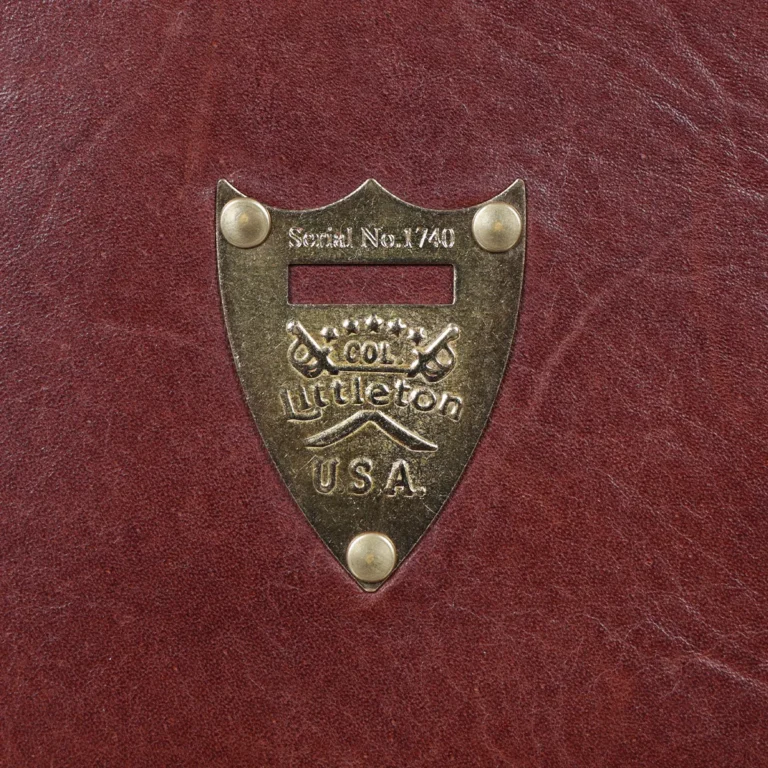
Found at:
[594, 592]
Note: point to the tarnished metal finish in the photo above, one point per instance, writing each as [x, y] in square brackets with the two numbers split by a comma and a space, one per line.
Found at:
[371, 412]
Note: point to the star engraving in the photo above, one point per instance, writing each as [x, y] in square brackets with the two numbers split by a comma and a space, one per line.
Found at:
[417, 335]
[373, 323]
[350, 325]
[329, 334]
[396, 327]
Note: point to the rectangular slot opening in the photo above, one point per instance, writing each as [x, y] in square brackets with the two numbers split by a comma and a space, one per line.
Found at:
[370, 284]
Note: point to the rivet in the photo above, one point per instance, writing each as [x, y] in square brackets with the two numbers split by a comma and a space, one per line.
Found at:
[371, 557]
[244, 222]
[496, 227]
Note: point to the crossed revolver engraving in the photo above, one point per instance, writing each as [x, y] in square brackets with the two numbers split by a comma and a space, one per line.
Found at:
[433, 362]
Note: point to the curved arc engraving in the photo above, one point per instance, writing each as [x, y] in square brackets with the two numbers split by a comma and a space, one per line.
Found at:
[391, 428]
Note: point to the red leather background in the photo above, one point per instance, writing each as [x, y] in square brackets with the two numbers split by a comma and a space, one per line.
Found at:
[596, 591]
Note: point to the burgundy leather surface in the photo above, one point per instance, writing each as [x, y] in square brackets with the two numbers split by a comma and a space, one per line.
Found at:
[594, 594]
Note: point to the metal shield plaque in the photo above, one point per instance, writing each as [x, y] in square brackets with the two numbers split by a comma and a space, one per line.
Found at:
[370, 411]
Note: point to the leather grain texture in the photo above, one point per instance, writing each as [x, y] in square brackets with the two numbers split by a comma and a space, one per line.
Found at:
[594, 594]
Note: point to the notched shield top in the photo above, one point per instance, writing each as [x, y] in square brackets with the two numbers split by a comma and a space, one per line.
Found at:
[371, 412]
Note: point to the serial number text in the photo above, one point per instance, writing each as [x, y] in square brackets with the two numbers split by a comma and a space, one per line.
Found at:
[372, 237]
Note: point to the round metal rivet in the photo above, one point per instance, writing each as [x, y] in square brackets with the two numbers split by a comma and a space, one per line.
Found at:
[496, 227]
[244, 222]
[371, 557]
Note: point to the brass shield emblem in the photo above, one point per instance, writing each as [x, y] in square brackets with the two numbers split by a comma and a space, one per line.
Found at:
[370, 411]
